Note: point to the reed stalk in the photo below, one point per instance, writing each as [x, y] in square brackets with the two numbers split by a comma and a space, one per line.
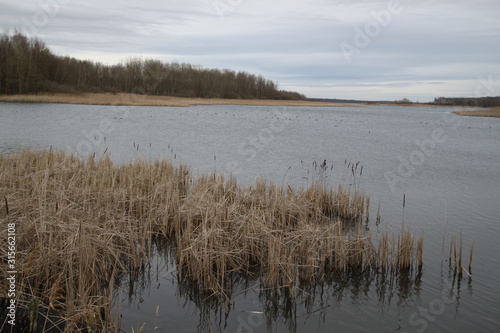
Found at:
[471, 255]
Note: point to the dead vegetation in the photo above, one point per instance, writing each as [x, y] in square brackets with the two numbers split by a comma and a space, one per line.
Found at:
[80, 226]
[490, 112]
[149, 100]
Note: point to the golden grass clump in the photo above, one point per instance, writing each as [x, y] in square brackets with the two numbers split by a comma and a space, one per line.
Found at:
[83, 225]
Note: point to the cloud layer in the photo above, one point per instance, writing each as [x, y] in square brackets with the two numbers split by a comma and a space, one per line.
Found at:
[332, 49]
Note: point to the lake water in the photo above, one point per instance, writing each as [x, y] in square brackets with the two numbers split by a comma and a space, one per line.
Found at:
[446, 166]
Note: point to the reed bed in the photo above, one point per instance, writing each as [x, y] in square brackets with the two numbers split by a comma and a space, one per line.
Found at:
[489, 112]
[150, 100]
[81, 225]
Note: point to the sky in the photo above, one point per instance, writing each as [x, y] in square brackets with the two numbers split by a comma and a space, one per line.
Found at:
[346, 49]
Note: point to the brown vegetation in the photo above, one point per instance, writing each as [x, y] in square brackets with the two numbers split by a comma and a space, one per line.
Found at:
[80, 226]
[491, 112]
[148, 100]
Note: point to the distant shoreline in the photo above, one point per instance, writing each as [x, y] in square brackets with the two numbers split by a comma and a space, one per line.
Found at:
[427, 105]
[149, 100]
[490, 112]
[124, 99]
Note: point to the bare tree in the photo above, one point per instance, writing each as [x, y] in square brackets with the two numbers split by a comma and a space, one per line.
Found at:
[28, 66]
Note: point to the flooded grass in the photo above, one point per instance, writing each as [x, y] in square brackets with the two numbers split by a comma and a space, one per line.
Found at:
[82, 226]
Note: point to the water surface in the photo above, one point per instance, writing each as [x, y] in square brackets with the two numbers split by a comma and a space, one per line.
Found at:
[446, 166]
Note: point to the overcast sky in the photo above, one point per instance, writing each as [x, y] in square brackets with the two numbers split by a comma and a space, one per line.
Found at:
[331, 49]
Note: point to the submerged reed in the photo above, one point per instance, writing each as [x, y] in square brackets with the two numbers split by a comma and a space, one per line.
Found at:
[455, 260]
[83, 225]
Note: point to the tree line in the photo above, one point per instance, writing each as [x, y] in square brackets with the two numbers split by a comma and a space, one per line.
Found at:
[485, 102]
[27, 66]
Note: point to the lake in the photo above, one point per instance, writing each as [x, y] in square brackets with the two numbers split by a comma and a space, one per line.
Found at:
[445, 166]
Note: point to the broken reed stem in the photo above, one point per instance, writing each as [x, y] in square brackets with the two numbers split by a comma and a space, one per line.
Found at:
[420, 253]
[455, 256]
[452, 248]
[471, 254]
[445, 228]
[460, 268]
[378, 213]
[83, 224]
[404, 204]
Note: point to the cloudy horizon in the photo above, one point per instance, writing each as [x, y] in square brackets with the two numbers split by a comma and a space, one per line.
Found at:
[372, 50]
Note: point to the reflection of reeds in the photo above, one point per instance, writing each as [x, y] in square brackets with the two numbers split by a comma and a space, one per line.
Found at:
[82, 225]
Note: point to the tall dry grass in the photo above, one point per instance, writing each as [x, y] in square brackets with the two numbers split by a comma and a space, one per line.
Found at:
[83, 225]
[489, 112]
[150, 100]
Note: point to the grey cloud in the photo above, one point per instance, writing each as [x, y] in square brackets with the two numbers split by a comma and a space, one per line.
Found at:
[429, 44]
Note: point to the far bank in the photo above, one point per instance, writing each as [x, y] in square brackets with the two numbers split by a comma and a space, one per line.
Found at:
[490, 112]
[148, 100]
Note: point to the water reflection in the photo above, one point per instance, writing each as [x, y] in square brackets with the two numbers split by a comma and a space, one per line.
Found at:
[268, 309]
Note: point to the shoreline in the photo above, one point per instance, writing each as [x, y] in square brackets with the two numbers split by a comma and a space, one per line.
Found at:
[418, 105]
[123, 99]
[489, 112]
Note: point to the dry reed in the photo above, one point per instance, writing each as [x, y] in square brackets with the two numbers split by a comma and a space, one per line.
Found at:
[490, 112]
[82, 225]
[150, 100]
[455, 260]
